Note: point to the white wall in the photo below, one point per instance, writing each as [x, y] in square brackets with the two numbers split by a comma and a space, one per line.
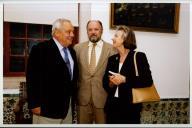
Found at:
[168, 54]
[12, 82]
[41, 13]
[84, 16]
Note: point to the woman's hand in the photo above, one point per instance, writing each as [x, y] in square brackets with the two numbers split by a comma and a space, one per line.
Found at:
[117, 79]
[111, 82]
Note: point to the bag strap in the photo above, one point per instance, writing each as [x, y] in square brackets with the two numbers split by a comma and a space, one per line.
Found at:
[135, 64]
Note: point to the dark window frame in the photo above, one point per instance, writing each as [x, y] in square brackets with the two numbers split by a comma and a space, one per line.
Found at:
[7, 47]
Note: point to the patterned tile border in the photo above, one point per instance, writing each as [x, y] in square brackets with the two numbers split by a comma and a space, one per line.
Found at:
[167, 111]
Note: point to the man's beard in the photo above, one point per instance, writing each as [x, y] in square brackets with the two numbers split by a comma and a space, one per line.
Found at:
[94, 39]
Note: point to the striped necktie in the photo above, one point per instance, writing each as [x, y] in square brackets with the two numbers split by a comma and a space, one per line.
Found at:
[66, 58]
[92, 64]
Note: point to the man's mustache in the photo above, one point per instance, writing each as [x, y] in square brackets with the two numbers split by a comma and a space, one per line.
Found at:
[93, 35]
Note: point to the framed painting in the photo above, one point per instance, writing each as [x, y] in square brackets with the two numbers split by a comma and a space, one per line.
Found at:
[155, 17]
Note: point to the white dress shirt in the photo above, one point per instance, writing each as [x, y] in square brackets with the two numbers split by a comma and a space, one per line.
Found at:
[60, 47]
[117, 89]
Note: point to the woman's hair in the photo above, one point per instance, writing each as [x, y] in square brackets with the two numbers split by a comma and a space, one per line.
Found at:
[57, 24]
[128, 36]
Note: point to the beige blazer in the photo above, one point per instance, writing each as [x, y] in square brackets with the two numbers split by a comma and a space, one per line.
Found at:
[90, 85]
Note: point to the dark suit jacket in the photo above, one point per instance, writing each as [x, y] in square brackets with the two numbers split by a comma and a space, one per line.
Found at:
[48, 81]
[128, 70]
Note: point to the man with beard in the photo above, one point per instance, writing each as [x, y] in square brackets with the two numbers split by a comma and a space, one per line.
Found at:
[92, 57]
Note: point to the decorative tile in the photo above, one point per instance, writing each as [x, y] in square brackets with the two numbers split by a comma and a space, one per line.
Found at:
[8, 114]
[167, 111]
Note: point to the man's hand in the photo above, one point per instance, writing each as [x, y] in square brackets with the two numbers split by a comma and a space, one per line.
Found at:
[36, 111]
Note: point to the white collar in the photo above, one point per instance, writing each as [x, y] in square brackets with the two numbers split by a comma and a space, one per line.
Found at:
[99, 43]
[58, 44]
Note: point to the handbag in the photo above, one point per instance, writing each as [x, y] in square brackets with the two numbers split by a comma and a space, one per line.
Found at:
[146, 94]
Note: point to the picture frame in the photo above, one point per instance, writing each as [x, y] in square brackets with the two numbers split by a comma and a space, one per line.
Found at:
[154, 17]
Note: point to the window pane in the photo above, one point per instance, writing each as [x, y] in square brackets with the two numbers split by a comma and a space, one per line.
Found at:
[34, 31]
[17, 30]
[17, 64]
[17, 47]
[30, 44]
[47, 31]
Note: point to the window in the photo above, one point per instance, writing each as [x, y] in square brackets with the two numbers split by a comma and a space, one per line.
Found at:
[19, 38]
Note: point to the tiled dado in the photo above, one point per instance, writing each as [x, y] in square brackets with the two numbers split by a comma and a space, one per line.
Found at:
[167, 111]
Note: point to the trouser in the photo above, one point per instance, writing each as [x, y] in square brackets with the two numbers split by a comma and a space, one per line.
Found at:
[89, 114]
[45, 120]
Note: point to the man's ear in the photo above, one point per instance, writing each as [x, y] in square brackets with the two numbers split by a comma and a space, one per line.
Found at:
[56, 33]
[101, 31]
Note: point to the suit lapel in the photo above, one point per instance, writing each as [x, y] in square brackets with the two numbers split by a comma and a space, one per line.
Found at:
[126, 65]
[57, 52]
[116, 61]
[56, 55]
[102, 59]
[85, 55]
[103, 56]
